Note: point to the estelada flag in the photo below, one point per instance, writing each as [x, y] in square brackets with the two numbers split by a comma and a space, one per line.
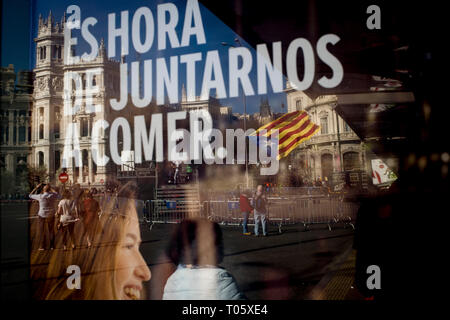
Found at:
[293, 129]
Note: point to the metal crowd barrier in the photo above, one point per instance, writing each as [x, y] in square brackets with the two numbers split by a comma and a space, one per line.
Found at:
[224, 212]
[307, 211]
[174, 211]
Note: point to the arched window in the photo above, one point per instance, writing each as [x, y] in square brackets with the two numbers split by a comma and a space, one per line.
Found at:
[84, 127]
[324, 125]
[57, 129]
[41, 131]
[351, 161]
[57, 160]
[85, 167]
[2, 162]
[43, 53]
[22, 134]
[327, 165]
[41, 159]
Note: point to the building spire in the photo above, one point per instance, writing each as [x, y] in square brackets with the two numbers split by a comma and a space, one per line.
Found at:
[102, 50]
[183, 93]
[63, 20]
[50, 19]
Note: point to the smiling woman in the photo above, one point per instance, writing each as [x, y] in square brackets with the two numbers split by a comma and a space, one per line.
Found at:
[112, 268]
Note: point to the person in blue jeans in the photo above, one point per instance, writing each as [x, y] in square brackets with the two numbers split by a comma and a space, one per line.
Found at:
[260, 210]
[246, 208]
[46, 214]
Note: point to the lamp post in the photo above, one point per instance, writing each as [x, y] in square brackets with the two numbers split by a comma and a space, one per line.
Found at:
[245, 113]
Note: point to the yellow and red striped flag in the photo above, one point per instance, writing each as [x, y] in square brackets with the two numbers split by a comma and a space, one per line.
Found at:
[293, 129]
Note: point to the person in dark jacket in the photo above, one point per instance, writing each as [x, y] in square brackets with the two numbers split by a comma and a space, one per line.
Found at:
[260, 205]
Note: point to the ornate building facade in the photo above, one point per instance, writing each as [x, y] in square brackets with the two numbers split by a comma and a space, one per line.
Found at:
[335, 148]
[15, 120]
[211, 104]
[49, 123]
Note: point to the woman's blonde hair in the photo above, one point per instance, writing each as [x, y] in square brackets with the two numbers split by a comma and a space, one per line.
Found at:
[98, 263]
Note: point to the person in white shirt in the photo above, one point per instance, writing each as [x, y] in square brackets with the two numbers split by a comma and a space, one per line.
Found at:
[46, 213]
[197, 249]
[67, 219]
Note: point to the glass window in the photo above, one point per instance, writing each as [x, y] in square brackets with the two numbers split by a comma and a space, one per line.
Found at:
[3, 162]
[324, 125]
[346, 127]
[22, 134]
[41, 131]
[84, 127]
[57, 160]
[57, 129]
[40, 158]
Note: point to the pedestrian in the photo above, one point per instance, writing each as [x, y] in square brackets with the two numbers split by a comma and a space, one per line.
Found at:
[146, 210]
[67, 219]
[189, 173]
[77, 194]
[90, 216]
[176, 173]
[246, 209]
[260, 210]
[196, 248]
[46, 214]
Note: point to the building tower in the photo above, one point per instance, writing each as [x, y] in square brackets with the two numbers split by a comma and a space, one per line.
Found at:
[48, 95]
[50, 123]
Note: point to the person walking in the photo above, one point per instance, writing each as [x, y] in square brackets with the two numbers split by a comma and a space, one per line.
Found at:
[246, 208]
[67, 219]
[260, 210]
[176, 173]
[147, 210]
[77, 194]
[90, 216]
[46, 214]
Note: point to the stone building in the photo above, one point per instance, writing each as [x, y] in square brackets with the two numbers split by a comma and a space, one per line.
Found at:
[211, 104]
[15, 120]
[49, 122]
[335, 148]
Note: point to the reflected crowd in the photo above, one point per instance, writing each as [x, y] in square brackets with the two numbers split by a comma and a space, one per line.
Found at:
[98, 235]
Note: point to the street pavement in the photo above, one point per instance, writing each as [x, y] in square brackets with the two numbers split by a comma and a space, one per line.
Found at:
[289, 265]
[281, 266]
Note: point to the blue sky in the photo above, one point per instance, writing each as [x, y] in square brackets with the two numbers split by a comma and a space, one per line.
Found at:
[15, 34]
[216, 32]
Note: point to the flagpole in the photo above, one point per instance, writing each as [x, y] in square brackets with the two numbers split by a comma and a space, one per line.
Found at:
[245, 132]
[341, 164]
[245, 114]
